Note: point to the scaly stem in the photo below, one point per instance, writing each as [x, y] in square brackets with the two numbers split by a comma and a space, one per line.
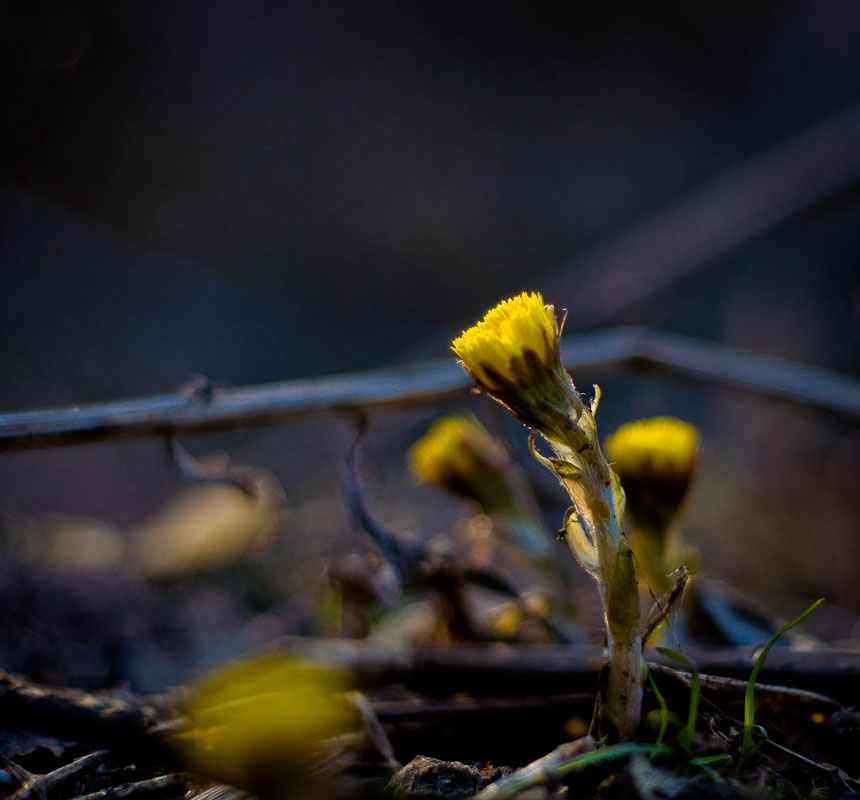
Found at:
[623, 705]
[599, 507]
[513, 354]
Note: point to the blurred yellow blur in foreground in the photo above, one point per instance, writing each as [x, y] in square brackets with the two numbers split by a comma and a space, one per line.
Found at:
[263, 722]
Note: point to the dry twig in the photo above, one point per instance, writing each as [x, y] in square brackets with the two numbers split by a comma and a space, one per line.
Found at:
[78, 716]
[40, 786]
[424, 384]
[163, 785]
[495, 669]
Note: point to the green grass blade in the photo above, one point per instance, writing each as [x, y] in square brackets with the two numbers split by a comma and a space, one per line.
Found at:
[664, 711]
[720, 758]
[539, 773]
[607, 754]
[685, 737]
[749, 698]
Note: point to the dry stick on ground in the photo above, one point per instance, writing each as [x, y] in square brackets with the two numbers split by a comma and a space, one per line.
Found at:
[419, 385]
[502, 670]
[40, 786]
[167, 785]
[534, 672]
[77, 716]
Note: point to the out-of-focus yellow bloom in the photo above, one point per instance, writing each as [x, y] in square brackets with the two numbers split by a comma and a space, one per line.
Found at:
[663, 448]
[455, 446]
[458, 455]
[260, 723]
[655, 460]
[508, 618]
[507, 621]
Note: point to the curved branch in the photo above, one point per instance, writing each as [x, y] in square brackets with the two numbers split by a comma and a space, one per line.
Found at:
[422, 384]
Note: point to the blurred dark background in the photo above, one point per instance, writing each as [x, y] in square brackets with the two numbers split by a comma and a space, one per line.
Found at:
[255, 191]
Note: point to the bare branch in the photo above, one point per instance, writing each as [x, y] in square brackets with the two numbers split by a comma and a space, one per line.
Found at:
[162, 786]
[484, 670]
[78, 716]
[422, 384]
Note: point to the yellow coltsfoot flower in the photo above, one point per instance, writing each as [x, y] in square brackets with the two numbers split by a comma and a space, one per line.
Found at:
[507, 332]
[655, 460]
[513, 354]
[458, 455]
[266, 723]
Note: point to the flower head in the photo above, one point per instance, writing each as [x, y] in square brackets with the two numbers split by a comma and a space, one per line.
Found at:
[458, 455]
[513, 354]
[261, 723]
[507, 332]
[655, 459]
[662, 448]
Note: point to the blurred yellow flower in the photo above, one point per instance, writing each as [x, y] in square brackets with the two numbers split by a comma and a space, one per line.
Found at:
[658, 449]
[660, 452]
[655, 460]
[206, 526]
[262, 722]
[458, 455]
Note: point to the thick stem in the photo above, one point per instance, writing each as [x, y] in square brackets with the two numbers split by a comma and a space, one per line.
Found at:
[623, 704]
[623, 707]
[591, 491]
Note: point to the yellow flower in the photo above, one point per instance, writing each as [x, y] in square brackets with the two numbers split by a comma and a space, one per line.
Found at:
[458, 455]
[655, 460]
[661, 450]
[261, 723]
[454, 453]
[513, 354]
[515, 327]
